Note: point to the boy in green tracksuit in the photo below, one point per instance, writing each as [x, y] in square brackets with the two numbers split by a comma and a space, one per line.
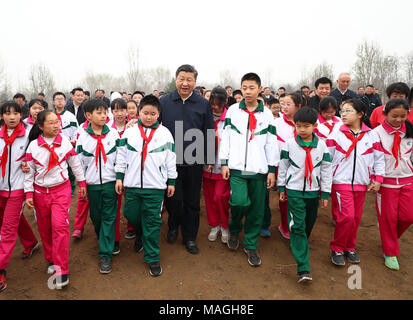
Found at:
[146, 167]
[304, 170]
[249, 156]
[97, 148]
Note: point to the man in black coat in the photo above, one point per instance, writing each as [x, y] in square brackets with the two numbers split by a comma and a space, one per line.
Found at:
[189, 118]
[76, 106]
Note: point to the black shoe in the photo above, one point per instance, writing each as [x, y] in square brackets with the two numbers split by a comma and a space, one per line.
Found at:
[352, 256]
[105, 265]
[253, 258]
[62, 281]
[337, 258]
[155, 269]
[116, 248]
[130, 234]
[304, 276]
[233, 242]
[172, 236]
[191, 247]
[138, 247]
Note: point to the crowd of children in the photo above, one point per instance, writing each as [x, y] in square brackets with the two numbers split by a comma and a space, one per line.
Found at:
[262, 143]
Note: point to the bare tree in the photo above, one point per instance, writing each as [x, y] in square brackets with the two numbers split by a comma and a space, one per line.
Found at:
[369, 55]
[159, 78]
[386, 71]
[309, 78]
[133, 75]
[408, 68]
[226, 79]
[105, 81]
[41, 80]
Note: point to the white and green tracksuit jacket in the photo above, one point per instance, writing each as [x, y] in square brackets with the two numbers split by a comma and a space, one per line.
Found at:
[159, 169]
[68, 124]
[86, 149]
[291, 171]
[257, 156]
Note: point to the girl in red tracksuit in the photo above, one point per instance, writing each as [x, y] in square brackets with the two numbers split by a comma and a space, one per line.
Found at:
[217, 190]
[395, 196]
[48, 190]
[14, 137]
[358, 166]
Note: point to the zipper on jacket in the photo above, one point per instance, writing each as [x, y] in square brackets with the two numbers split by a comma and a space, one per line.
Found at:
[143, 144]
[246, 147]
[354, 163]
[9, 172]
[100, 168]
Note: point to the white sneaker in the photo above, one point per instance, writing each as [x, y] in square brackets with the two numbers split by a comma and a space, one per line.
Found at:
[224, 235]
[50, 269]
[213, 235]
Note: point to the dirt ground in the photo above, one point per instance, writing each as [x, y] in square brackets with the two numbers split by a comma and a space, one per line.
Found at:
[216, 272]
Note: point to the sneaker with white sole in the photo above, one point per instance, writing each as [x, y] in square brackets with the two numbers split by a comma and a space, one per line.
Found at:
[62, 281]
[28, 252]
[304, 276]
[337, 258]
[233, 242]
[224, 235]
[284, 234]
[3, 281]
[105, 265]
[352, 256]
[155, 269]
[253, 258]
[213, 234]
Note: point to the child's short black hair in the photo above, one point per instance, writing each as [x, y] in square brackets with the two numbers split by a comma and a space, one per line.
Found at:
[235, 92]
[322, 80]
[118, 103]
[252, 77]
[43, 103]
[306, 114]
[327, 103]
[150, 100]
[94, 104]
[398, 87]
[86, 93]
[9, 105]
[218, 97]
[272, 100]
[58, 93]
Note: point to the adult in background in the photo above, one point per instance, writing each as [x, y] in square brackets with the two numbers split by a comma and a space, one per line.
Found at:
[184, 110]
[342, 92]
[322, 89]
[21, 101]
[360, 91]
[100, 93]
[305, 91]
[371, 99]
[76, 106]
[229, 91]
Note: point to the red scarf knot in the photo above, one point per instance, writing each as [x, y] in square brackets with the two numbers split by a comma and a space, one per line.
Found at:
[8, 141]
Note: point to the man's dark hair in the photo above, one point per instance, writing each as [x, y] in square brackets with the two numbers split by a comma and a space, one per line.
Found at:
[19, 95]
[272, 100]
[41, 94]
[398, 87]
[150, 100]
[282, 88]
[187, 68]
[236, 92]
[103, 91]
[306, 114]
[323, 80]
[76, 89]
[94, 104]
[370, 85]
[87, 93]
[228, 87]
[58, 93]
[304, 87]
[251, 76]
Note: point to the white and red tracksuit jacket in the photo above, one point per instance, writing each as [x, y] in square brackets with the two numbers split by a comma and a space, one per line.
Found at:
[215, 173]
[13, 181]
[37, 158]
[29, 123]
[401, 174]
[285, 130]
[326, 127]
[364, 164]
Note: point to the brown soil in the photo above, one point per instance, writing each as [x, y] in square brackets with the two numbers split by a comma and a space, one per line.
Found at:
[216, 272]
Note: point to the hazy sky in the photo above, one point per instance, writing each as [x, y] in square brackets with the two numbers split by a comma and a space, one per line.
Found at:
[282, 37]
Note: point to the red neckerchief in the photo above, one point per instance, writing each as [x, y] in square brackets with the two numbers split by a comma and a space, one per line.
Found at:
[329, 126]
[290, 123]
[54, 158]
[8, 141]
[252, 121]
[145, 145]
[216, 135]
[99, 147]
[121, 132]
[354, 141]
[396, 147]
[60, 121]
[308, 163]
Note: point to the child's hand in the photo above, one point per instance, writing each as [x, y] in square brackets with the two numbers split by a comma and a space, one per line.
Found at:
[171, 191]
[225, 172]
[131, 123]
[324, 203]
[209, 167]
[83, 193]
[270, 180]
[119, 186]
[374, 186]
[282, 196]
[25, 167]
[29, 203]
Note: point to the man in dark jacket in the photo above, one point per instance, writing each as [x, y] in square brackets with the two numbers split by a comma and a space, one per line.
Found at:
[76, 106]
[342, 92]
[21, 100]
[188, 117]
[371, 99]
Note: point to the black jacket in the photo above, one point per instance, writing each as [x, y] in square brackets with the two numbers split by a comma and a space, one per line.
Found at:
[314, 102]
[372, 102]
[194, 113]
[340, 97]
[80, 113]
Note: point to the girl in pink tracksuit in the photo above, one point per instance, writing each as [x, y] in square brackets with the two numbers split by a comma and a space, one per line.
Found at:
[13, 142]
[394, 199]
[217, 191]
[48, 189]
[358, 166]
[327, 122]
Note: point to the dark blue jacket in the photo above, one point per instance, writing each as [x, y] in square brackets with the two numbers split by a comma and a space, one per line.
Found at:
[339, 96]
[372, 102]
[195, 113]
